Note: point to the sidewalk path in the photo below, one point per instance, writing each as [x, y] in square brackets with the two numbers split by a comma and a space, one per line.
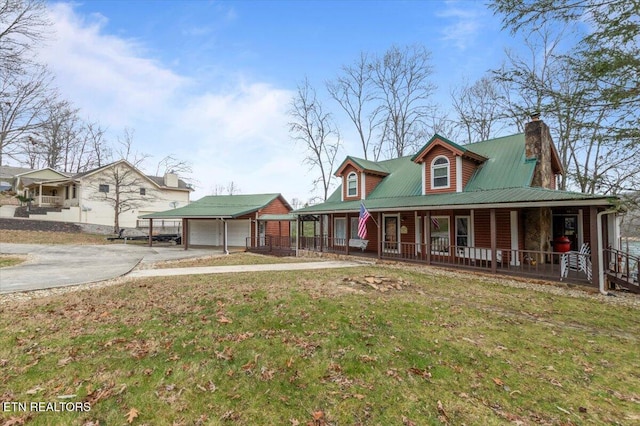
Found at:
[140, 273]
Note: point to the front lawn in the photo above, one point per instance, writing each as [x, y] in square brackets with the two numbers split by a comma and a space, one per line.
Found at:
[369, 346]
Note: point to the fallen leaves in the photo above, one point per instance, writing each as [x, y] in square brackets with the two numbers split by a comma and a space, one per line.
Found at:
[442, 414]
[131, 415]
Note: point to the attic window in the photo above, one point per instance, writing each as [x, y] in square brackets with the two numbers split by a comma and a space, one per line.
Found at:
[143, 191]
[352, 185]
[440, 173]
[103, 188]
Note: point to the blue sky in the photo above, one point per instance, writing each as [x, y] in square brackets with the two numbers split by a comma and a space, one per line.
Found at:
[211, 81]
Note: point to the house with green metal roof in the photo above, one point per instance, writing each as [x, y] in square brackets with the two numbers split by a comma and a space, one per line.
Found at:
[243, 220]
[493, 204]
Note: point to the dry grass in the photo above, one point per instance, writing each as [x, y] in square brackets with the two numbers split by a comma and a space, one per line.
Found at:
[322, 348]
[47, 237]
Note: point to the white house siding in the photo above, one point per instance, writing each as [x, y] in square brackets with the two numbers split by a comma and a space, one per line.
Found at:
[97, 211]
[205, 232]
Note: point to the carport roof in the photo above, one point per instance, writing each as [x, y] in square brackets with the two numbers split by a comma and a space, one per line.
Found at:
[218, 207]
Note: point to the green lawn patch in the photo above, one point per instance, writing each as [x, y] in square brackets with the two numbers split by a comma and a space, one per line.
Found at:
[321, 348]
[10, 260]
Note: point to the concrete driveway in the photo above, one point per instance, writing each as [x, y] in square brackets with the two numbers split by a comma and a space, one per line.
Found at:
[52, 266]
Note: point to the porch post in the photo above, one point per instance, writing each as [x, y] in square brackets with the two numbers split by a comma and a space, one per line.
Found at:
[427, 235]
[380, 224]
[185, 233]
[594, 244]
[321, 217]
[515, 241]
[348, 236]
[224, 236]
[297, 234]
[494, 240]
[150, 232]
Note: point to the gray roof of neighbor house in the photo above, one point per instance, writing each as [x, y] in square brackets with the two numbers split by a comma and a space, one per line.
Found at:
[504, 178]
[219, 207]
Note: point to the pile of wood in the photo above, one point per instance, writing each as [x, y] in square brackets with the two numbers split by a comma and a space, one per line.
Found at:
[376, 282]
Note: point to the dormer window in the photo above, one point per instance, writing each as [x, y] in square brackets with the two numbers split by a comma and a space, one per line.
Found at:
[440, 173]
[352, 185]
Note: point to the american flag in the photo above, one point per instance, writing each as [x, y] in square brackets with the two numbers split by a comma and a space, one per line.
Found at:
[362, 222]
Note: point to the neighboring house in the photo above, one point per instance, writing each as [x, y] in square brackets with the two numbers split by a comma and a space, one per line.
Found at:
[467, 206]
[8, 176]
[19, 177]
[92, 196]
[243, 220]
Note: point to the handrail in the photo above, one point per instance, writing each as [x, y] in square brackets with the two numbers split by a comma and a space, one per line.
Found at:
[623, 264]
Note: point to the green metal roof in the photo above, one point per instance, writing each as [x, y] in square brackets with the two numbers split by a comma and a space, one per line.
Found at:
[278, 217]
[505, 177]
[373, 166]
[218, 206]
[506, 165]
[494, 197]
[443, 139]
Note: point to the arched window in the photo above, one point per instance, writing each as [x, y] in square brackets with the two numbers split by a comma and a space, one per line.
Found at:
[352, 185]
[440, 173]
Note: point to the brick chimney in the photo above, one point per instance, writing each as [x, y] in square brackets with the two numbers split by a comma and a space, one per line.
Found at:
[537, 141]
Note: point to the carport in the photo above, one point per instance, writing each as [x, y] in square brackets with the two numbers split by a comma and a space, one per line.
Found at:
[222, 220]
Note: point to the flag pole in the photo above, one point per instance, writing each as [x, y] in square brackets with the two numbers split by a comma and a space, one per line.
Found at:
[374, 221]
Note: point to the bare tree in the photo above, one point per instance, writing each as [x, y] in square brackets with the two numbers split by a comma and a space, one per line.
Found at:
[596, 159]
[401, 77]
[315, 128]
[354, 91]
[231, 188]
[57, 137]
[477, 109]
[23, 24]
[121, 184]
[22, 99]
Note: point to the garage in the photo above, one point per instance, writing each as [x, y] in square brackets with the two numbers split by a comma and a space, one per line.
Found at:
[224, 220]
[238, 231]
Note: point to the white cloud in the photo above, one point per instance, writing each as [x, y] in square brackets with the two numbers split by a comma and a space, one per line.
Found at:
[106, 76]
[466, 22]
[238, 135]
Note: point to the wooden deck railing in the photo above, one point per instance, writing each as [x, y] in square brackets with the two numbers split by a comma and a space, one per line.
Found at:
[623, 269]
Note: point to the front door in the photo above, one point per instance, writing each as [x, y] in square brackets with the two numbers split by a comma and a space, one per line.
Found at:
[391, 234]
[566, 225]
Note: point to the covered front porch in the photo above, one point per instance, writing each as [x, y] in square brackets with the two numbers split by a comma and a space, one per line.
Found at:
[51, 194]
[518, 241]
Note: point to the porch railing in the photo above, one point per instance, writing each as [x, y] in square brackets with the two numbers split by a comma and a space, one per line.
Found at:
[271, 244]
[531, 263]
[623, 268]
[49, 200]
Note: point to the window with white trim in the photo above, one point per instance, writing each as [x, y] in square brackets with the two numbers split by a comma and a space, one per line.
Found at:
[352, 185]
[440, 172]
[339, 231]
